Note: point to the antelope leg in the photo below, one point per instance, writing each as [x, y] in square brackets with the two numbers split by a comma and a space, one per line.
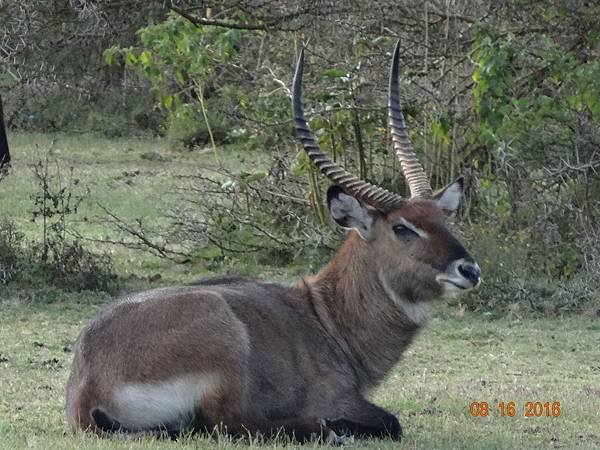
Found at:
[367, 421]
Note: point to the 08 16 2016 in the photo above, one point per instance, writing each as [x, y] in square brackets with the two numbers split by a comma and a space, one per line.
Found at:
[510, 409]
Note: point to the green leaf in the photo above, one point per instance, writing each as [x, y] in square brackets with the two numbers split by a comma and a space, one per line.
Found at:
[301, 165]
[168, 101]
[130, 58]
[145, 58]
[253, 176]
[109, 55]
[335, 73]
[179, 76]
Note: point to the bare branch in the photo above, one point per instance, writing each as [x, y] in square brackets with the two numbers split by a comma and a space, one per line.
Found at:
[140, 234]
[218, 23]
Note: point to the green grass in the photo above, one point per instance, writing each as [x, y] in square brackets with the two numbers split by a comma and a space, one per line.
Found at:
[456, 360]
[121, 177]
[460, 357]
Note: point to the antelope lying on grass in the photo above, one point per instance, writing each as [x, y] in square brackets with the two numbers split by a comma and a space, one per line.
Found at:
[254, 357]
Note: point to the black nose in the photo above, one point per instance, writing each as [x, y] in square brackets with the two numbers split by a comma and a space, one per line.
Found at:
[470, 271]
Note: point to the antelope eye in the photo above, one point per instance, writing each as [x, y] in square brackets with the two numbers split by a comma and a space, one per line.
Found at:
[404, 232]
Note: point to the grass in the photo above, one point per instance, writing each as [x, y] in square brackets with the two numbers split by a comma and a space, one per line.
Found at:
[120, 176]
[460, 357]
[457, 359]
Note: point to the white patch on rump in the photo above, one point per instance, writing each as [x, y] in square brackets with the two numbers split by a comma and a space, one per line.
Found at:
[416, 312]
[145, 405]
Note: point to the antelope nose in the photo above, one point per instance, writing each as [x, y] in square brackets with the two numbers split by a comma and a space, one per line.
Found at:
[471, 272]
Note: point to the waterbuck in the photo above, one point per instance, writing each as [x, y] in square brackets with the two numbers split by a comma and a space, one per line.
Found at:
[252, 357]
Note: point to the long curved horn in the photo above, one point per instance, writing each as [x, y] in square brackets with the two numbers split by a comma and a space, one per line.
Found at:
[375, 196]
[4, 152]
[416, 178]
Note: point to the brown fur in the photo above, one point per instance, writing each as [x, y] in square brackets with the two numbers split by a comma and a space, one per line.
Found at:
[301, 358]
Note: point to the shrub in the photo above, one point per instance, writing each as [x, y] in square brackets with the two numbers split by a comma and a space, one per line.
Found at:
[62, 263]
[69, 265]
[58, 257]
[112, 113]
[263, 214]
[10, 245]
[518, 276]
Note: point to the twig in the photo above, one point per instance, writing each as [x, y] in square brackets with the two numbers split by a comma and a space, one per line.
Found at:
[140, 234]
[218, 23]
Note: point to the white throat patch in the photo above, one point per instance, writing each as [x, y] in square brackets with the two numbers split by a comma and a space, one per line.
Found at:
[416, 312]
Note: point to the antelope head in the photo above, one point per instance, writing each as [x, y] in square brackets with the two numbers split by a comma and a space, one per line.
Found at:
[404, 241]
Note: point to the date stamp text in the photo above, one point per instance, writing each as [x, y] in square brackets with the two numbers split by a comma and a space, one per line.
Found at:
[512, 409]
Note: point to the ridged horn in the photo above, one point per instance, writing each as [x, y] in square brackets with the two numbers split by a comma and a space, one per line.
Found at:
[416, 178]
[375, 196]
[4, 152]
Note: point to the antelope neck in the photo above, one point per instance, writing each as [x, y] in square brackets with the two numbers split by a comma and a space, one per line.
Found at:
[351, 298]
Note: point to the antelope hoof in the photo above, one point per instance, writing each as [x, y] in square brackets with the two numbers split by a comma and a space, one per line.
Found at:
[332, 437]
[336, 440]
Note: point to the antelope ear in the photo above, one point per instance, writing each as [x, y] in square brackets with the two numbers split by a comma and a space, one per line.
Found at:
[349, 213]
[448, 198]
